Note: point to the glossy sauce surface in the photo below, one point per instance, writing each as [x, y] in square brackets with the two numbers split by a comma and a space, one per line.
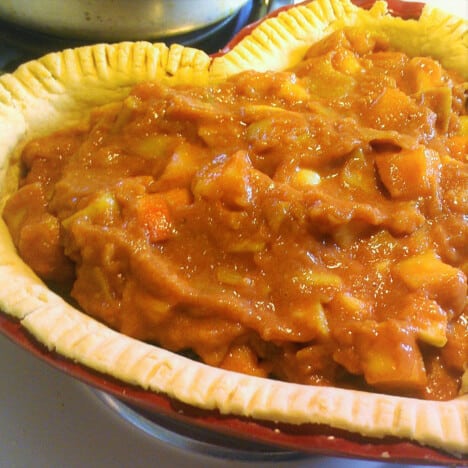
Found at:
[308, 225]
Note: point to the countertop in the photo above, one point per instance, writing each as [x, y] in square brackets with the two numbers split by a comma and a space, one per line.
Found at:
[50, 420]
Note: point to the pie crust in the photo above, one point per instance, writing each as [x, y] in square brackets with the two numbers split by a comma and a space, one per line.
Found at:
[62, 87]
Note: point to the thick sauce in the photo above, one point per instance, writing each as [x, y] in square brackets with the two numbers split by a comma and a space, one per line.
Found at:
[308, 225]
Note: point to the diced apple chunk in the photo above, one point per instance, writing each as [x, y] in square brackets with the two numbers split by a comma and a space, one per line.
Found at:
[154, 146]
[440, 101]
[358, 173]
[241, 358]
[424, 270]
[441, 281]
[391, 358]
[319, 279]
[227, 179]
[390, 107]
[277, 213]
[408, 174]
[428, 319]
[101, 210]
[232, 277]
[246, 246]
[177, 197]
[423, 73]
[313, 319]
[292, 91]
[346, 62]
[181, 166]
[351, 303]
[434, 331]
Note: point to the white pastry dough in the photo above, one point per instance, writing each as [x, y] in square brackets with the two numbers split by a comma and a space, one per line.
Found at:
[62, 87]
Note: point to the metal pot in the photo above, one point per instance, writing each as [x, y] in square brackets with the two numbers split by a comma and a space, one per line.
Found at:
[112, 20]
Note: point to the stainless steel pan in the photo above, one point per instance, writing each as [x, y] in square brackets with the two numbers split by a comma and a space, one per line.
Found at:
[110, 20]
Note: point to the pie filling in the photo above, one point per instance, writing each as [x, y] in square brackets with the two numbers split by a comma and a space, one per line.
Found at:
[308, 225]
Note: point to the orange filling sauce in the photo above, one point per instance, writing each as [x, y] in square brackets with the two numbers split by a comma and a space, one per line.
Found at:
[307, 225]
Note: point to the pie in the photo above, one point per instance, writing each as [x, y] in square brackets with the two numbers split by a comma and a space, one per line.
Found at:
[287, 220]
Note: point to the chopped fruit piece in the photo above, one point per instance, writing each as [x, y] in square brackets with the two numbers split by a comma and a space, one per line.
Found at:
[103, 209]
[428, 318]
[409, 173]
[390, 357]
[423, 73]
[314, 320]
[441, 281]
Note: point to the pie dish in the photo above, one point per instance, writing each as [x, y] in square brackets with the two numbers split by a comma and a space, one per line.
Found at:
[60, 87]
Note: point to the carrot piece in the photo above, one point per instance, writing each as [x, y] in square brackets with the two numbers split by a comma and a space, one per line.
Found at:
[153, 214]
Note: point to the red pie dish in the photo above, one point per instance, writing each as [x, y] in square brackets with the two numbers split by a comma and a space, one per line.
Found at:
[269, 242]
